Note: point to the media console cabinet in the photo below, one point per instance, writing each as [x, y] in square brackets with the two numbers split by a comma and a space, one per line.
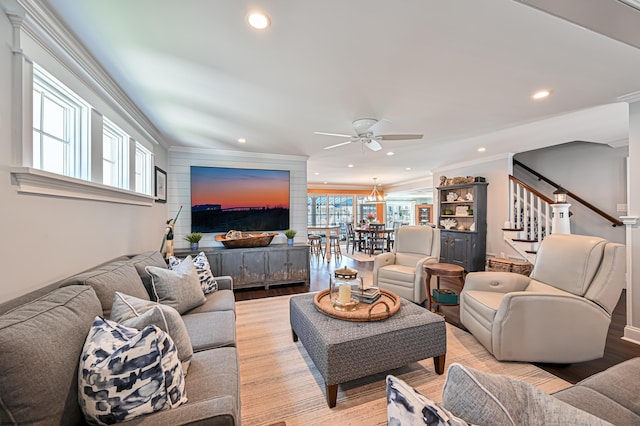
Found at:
[258, 266]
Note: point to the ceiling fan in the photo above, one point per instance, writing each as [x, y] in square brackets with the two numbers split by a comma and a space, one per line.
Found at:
[366, 129]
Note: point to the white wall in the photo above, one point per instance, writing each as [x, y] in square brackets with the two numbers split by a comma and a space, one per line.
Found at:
[47, 238]
[595, 172]
[496, 172]
[632, 330]
[179, 187]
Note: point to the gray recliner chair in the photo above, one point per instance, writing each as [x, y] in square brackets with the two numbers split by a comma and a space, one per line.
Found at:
[559, 314]
[401, 271]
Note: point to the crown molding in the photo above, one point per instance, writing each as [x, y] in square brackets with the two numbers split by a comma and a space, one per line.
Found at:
[483, 160]
[630, 97]
[44, 26]
[237, 154]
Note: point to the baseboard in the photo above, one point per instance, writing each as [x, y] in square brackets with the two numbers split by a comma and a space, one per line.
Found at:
[631, 334]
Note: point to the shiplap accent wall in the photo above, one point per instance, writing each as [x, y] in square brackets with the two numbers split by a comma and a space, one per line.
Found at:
[180, 161]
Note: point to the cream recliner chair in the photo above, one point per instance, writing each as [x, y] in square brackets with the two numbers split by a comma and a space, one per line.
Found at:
[559, 314]
[401, 270]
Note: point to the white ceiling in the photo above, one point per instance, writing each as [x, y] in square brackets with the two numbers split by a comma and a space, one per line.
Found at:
[459, 71]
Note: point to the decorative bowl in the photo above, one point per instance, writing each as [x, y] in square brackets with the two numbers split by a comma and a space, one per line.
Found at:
[448, 223]
[237, 239]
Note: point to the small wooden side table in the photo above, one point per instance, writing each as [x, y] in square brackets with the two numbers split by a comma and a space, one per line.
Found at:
[442, 270]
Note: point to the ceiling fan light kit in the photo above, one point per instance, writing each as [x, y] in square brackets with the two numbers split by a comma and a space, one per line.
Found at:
[366, 129]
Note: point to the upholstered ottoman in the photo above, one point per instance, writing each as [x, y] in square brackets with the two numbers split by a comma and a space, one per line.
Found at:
[345, 350]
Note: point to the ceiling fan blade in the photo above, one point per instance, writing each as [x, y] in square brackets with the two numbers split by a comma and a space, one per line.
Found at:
[399, 137]
[333, 134]
[379, 127]
[373, 145]
[338, 144]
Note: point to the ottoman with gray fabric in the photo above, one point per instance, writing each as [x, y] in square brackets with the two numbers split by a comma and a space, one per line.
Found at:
[345, 350]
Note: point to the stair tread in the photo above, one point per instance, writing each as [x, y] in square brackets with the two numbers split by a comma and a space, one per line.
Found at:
[513, 229]
[524, 240]
[531, 251]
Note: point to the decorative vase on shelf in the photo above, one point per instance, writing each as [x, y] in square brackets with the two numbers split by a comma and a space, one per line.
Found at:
[195, 246]
[289, 241]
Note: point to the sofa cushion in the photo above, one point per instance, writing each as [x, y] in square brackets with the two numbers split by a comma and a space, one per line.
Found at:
[483, 399]
[211, 330]
[178, 288]
[119, 275]
[221, 300]
[611, 394]
[40, 345]
[408, 407]
[125, 373]
[207, 280]
[213, 387]
[139, 313]
[148, 258]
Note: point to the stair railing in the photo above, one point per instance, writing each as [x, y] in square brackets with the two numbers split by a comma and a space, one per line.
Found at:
[614, 222]
[530, 210]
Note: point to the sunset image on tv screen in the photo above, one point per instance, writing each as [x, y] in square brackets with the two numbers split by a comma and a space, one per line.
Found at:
[224, 199]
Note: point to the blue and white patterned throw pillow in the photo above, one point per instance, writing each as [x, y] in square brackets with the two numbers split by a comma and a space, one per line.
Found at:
[125, 373]
[207, 280]
[408, 407]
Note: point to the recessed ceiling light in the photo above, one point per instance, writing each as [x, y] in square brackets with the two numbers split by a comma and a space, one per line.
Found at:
[349, 165]
[407, 168]
[316, 173]
[259, 20]
[242, 140]
[482, 149]
[325, 182]
[540, 94]
[391, 153]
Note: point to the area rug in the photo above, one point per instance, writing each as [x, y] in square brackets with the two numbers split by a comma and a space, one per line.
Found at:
[279, 383]
[356, 255]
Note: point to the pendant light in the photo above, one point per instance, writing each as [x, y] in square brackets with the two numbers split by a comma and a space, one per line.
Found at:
[375, 196]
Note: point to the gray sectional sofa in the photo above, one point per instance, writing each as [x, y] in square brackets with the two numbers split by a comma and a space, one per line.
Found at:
[42, 336]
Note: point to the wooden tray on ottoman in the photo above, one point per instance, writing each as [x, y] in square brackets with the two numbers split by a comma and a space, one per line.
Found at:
[387, 305]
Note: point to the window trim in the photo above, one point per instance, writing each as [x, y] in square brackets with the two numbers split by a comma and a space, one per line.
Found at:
[35, 181]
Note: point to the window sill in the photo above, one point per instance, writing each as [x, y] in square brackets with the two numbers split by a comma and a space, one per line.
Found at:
[36, 181]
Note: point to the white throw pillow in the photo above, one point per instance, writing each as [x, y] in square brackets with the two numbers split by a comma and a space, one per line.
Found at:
[178, 287]
[125, 373]
[207, 280]
[138, 313]
[408, 407]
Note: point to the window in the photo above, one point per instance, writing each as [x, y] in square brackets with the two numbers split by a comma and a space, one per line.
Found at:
[115, 149]
[60, 123]
[143, 169]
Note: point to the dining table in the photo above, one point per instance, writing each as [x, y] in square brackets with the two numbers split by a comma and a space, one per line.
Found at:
[327, 232]
[368, 232]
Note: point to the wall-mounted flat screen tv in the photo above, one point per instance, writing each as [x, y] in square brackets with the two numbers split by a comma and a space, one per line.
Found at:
[224, 199]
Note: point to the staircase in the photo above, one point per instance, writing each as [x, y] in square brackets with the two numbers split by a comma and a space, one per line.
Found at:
[529, 218]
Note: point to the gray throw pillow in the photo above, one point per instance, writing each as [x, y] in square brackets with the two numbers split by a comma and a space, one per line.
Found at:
[138, 313]
[178, 288]
[483, 399]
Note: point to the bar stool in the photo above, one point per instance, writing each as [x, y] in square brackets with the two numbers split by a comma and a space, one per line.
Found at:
[315, 246]
[334, 244]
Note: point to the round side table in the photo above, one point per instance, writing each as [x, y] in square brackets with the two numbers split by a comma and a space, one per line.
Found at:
[442, 270]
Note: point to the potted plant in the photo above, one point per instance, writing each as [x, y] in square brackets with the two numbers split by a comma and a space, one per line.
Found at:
[194, 238]
[290, 233]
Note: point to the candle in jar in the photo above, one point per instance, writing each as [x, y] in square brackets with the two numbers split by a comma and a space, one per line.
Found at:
[344, 294]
